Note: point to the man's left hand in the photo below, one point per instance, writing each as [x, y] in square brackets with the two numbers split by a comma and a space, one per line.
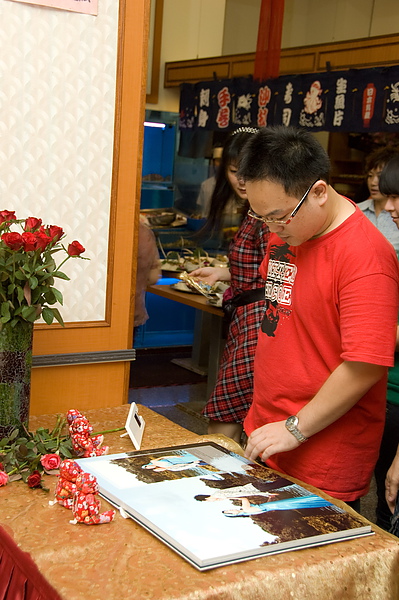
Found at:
[270, 439]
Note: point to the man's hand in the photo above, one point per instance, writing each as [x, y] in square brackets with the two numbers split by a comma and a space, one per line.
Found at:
[392, 483]
[270, 439]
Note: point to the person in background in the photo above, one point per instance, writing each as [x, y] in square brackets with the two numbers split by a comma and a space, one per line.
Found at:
[207, 186]
[387, 468]
[373, 207]
[148, 271]
[232, 395]
[328, 334]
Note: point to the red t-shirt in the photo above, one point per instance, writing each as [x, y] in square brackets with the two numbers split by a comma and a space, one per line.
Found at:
[329, 300]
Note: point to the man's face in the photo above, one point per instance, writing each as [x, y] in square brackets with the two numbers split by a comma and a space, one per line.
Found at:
[392, 206]
[269, 200]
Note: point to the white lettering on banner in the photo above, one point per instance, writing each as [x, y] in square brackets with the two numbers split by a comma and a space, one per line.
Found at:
[280, 280]
[202, 118]
[204, 97]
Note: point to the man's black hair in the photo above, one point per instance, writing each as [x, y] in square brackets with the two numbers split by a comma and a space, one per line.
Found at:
[288, 156]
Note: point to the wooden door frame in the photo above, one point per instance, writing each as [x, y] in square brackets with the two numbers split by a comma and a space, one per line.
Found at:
[96, 385]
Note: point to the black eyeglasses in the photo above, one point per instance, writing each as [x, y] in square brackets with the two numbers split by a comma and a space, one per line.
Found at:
[252, 214]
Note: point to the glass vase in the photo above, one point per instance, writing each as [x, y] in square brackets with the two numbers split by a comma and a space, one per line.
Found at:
[15, 375]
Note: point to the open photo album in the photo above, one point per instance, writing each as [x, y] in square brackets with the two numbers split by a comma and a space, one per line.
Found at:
[215, 507]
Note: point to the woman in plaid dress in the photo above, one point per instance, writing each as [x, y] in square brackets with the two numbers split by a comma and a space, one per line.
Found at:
[232, 395]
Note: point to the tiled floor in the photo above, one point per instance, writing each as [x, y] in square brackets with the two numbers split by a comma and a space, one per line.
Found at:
[181, 404]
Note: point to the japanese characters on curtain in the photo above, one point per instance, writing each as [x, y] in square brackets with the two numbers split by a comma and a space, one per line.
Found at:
[357, 100]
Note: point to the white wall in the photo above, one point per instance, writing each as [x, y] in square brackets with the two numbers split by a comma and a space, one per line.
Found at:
[57, 105]
[191, 29]
[201, 28]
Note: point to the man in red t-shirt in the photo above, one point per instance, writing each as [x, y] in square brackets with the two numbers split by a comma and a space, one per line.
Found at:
[329, 329]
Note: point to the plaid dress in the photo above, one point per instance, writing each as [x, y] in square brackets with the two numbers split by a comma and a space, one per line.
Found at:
[232, 396]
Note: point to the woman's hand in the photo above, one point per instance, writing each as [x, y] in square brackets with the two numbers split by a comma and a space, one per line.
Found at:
[211, 274]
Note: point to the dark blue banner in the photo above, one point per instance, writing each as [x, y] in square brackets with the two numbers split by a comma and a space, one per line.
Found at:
[356, 100]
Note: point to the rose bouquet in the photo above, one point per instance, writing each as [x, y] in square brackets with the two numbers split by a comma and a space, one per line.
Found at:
[26, 455]
[28, 268]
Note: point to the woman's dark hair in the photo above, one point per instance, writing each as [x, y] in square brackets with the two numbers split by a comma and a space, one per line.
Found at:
[379, 158]
[222, 191]
[389, 178]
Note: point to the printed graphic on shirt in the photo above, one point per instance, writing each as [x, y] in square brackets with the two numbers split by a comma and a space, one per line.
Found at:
[278, 290]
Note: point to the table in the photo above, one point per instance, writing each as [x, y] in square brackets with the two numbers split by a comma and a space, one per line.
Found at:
[208, 340]
[123, 560]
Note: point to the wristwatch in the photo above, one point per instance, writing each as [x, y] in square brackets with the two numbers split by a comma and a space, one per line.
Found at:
[292, 426]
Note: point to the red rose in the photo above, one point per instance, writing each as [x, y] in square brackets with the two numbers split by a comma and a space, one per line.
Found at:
[34, 479]
[13, 240]
[74, 249]
[50, 461]
[3, 478]
[42, 239]
[55, 233]
[29, 241]
[32, 224]
[7, 215]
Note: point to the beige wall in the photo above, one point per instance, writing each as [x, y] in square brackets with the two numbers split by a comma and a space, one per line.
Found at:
[191, 29]
[201, 28]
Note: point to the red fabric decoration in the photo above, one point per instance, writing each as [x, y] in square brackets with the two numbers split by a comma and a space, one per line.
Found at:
[20, 579]
[268, 47]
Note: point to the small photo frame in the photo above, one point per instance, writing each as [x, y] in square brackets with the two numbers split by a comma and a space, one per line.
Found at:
[135, 426]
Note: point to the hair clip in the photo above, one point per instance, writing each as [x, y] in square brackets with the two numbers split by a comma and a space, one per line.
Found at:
[245, 130]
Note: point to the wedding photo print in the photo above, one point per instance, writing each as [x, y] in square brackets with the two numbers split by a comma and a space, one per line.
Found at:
[215, 507]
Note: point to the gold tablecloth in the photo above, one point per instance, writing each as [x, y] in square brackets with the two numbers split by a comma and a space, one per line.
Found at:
[123, 560]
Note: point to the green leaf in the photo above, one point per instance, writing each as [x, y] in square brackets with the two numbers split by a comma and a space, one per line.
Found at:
[33, 282]
[60, 275]
[58, 316]
[29, 313]
[5, 310]
[47, 314]
[58, 295]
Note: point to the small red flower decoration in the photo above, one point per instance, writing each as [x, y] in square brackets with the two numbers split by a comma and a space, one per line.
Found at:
[32, 224]
[75, 249]
[13, 240]
[29, 270]
[34, 480]
[29, 241]
[50, 461]
[7, 215]
[3, 478]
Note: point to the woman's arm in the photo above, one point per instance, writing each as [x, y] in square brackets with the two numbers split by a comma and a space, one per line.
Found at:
[212, 274]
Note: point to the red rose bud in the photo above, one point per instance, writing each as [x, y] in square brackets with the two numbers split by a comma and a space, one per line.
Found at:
[55, 233]
[3, 478]
[75, 248]
[50, 461]
[34, 480]
[7, 215]
[13, 240]
[42, 239]
[1, 466]
[29, 241]
[32, 224]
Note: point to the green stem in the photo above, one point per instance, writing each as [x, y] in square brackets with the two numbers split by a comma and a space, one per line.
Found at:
[64, 261]
[109, 431]
[16, 469]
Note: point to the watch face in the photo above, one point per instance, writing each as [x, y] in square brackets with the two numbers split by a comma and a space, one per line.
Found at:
[291, 422]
